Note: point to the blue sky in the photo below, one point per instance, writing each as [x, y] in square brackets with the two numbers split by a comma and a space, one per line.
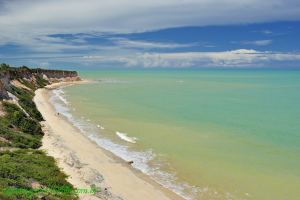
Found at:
[151, 34]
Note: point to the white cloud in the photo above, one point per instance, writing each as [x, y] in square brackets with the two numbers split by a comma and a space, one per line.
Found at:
[123, 42]
[235, 58]
[228, 59]
[267, 32]
[28, 24]
[23, 20]
[258, 42]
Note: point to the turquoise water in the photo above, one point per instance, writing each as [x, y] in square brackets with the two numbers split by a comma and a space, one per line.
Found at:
[216, 134]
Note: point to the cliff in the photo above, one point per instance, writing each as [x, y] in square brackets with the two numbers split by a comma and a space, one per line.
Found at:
[30, 79]
[25, 171]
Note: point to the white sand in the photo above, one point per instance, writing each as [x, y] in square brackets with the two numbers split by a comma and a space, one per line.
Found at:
[85, 162]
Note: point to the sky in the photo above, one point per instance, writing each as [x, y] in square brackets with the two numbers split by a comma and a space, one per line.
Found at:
[150, 33]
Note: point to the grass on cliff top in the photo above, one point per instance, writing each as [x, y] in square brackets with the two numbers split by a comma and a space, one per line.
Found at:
[19, 73]
[30, 174]
[4, 68]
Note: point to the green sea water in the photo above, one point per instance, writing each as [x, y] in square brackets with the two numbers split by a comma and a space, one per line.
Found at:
[206, 134]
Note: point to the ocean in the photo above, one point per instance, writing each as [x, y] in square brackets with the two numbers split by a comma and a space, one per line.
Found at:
[205, 134]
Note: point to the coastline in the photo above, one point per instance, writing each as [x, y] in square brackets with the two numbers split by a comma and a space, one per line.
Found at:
[86, 163]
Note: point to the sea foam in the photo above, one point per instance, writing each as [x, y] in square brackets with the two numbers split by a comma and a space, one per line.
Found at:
[126, 138]
[99, 126]
[59, 94]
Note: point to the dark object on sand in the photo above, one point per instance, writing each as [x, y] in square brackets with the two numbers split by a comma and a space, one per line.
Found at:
[130, 162]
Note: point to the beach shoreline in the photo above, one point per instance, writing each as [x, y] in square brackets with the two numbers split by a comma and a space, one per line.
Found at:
[88, 164]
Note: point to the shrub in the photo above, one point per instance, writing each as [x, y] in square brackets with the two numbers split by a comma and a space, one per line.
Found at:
[19, 139]
[27, 83]
[18, 118]
[25, 100]
[20, 168]
[40, 81]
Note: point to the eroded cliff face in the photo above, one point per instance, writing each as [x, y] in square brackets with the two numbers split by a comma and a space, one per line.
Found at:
[3, 92]
[32, 78]
[4, 85]
[59, 75]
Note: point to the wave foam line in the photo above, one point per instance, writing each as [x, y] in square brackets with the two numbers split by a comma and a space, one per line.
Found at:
[126, 138]
[59, 94]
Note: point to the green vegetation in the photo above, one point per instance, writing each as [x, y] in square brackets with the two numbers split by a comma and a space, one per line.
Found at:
[4, 67]
[17, 118]
[25, 100]
[19, 73]
[25, 172]
[18, 139]
[40, 81]
[32, 168]
[27, 83]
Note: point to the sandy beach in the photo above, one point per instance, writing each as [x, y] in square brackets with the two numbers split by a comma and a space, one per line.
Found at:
[86, 163]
